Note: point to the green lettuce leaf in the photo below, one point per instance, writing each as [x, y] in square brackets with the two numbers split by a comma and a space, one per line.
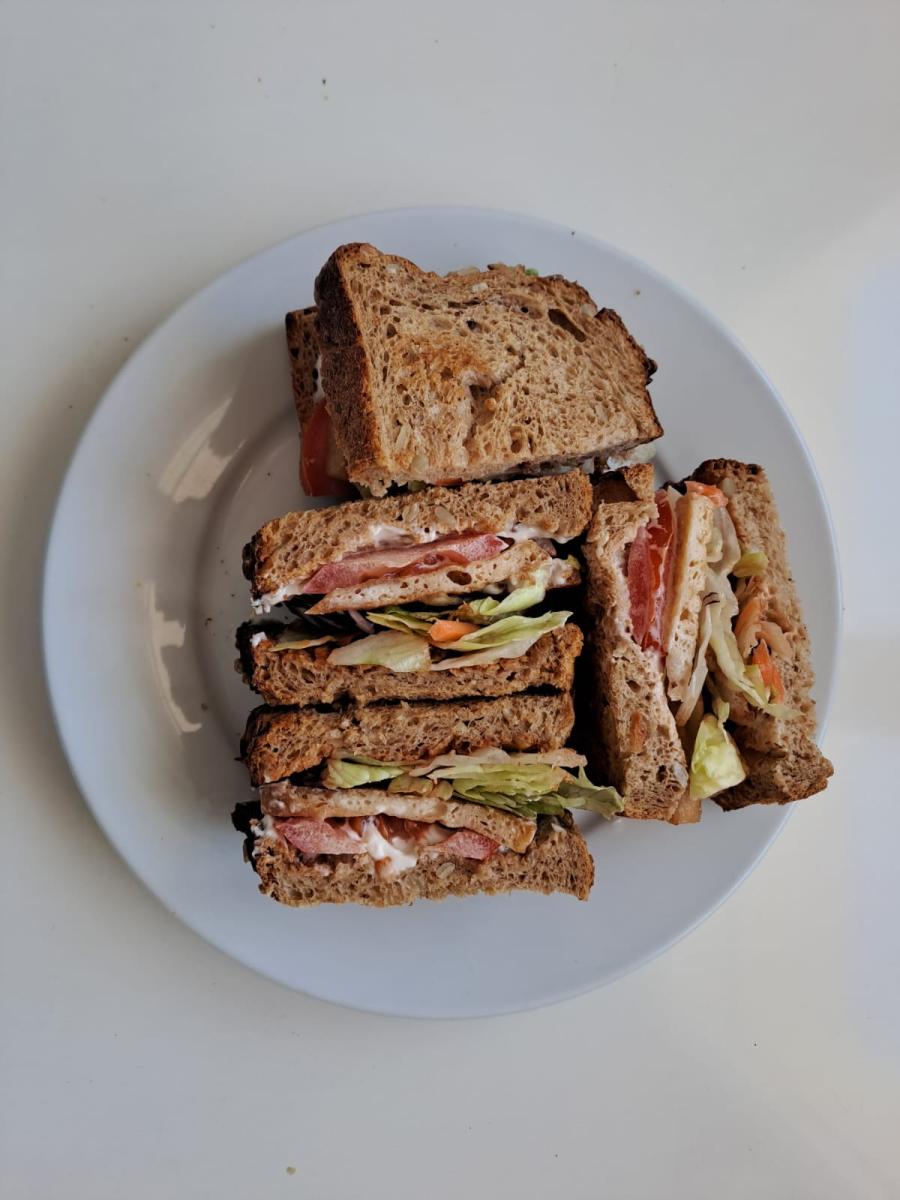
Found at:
[510, 637]
[480, 612]
[528, 788]
[715, 761]
[529, 785]
[293, 639]
[404, 620]
[751, 562]
[398, 651]
[356, 771]
[581, 793]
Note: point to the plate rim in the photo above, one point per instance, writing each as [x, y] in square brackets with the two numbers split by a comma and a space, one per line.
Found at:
[824, 701]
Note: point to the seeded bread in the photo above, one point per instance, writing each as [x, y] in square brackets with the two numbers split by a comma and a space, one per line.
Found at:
[635, 743]
[292, 547]
[302, 677]
[303, 348]
[782, 759]
[472, 375]
[279, 742]
[556, 861]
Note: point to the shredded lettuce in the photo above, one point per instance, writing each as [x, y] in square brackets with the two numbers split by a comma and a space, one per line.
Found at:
[509, 629]
[743, 678]
[751, 562]
[528, 785]
[715, 761]
[405, 620]
[293, 640]
[398, 651]
[481, 612]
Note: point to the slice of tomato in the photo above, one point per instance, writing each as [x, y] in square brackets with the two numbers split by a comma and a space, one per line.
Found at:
[315, 442]
[640, 585]
[311, 836]
[648, 577]
[466, 843]
[357, 568]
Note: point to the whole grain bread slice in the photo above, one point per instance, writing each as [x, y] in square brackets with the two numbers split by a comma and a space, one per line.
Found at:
[279, 742]
[303, 349]
[782, 759]
[557, 860]
[633, 740]
[289, 549]
[472, 375]
[300, 677]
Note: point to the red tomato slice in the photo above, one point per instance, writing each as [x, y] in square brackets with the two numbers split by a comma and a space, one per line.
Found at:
[318, 837]
[314, 445]
[640, 585]
[355, 569]
[465, 843]
[648, 577]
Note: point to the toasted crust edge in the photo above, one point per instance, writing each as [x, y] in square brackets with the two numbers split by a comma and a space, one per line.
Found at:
[557, 860]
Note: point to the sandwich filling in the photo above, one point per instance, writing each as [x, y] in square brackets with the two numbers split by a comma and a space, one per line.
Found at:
[473, 806]
[391, 554]
[404, 639]
[729, 621]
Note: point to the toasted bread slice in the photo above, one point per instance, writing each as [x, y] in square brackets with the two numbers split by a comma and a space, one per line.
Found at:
[299, 677]
[279, 742]
[303, 348]
[635, 742]
[556, 860]
[472, 375]
[288, 550]
[781, 757]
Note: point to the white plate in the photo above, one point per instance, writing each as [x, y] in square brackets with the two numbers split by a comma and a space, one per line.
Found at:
[192, 448]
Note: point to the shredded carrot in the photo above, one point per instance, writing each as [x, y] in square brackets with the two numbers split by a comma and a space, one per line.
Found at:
[716, 495]
[749, 615]
[450, 631]
[768, 670]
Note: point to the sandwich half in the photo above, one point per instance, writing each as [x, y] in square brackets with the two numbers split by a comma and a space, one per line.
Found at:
[701, 657]
[436, 594]
[473, 375]
[384, 804]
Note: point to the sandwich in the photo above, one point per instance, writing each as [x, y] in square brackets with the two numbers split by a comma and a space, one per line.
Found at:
[701, 659]
[437, 594]
[422, 378]
[384, 804]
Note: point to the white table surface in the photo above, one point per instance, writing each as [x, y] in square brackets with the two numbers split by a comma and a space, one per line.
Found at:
[750, 151]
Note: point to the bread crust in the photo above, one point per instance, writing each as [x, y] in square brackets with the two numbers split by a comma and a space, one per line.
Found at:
[297, 677]
[557, 860]
[279, 742]
[472, 374]
[303, 350]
